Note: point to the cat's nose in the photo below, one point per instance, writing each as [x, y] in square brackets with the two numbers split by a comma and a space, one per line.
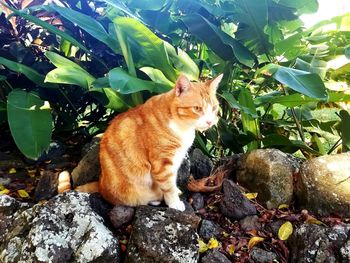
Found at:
[209, 123]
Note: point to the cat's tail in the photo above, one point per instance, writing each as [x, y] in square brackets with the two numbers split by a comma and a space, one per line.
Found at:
[65, 185]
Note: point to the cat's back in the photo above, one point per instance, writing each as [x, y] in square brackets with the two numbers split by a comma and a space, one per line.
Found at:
[147, 120]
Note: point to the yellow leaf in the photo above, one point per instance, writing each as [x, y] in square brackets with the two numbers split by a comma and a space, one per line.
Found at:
[254, 241]
[1, 187]
[251, 196]
[4, 191]
[202, 246]
[23, 193]
[312, 220]
[225, 234]
[285, 230]
[12, 171]
[283, 206]
[230, 249]
[213, 243]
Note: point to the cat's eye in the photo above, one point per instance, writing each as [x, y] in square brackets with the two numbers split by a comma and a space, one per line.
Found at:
[197, 108]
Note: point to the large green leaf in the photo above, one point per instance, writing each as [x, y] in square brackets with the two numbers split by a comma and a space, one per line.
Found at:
[345, 129]
[298, 99]
[90, 25]
[30, 122]
[147, 49]
[67, 72]
[123, 83]
[182, 61]
[30, 73]
[221, 43]
[301, 6]
[250, 123]
[107, 96]
[252, 16]
[49, 27]
[304, 82]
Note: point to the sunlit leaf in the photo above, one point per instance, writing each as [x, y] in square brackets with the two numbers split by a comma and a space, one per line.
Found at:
[12, 171]
[202, 246]
[304, 82]
[254, 241]
[251, 196]
[230, 249]
[213, 243]
[23, 193]
[122, 82]
[285, 231]
[90, 25]
[67, 72]
[283, 206]
[4, 191]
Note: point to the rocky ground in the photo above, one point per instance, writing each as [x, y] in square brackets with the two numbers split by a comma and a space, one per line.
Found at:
[265, 206]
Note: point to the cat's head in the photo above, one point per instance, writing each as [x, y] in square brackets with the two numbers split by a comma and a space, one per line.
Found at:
[195, 102]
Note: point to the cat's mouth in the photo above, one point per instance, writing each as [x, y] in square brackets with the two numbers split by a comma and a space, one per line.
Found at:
[202, 129]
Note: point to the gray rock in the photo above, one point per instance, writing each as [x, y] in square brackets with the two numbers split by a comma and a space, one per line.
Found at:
[8, 206]
[345, 251]
[269, 173]
[65, 229]
[209, 229]
[197, 201]
[56, 149]
[234, 204]
[262, 256]
[320, 244]
[323, 186]
[120, 215]
[183, 174]
[162, 235]
[214, 256]
[250, 223]
[92, 144]
[47, 186]
[201, 165]
[88, 169]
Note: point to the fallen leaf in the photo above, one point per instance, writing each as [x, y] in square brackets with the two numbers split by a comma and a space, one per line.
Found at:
[225, 234]
[12, 171]
[23, 193]
[313, 220]
[251, 196]
[4, 191]
[2, 187]
[285, 230]
[254, 241]
[283, 206]
[213, 243]
[230, 249]
[202, 246]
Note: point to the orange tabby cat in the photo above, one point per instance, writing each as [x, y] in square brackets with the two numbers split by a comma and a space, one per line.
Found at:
[142, 149]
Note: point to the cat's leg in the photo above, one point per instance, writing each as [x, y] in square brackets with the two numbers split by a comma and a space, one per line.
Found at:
[165, 179]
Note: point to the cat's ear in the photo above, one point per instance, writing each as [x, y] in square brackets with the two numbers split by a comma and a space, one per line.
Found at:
[182, 85]
[214, 83]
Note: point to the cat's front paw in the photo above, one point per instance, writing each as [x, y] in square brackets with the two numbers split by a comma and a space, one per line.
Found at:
[179, 205]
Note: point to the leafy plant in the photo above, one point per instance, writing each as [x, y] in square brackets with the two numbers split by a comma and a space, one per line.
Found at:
[92, 59]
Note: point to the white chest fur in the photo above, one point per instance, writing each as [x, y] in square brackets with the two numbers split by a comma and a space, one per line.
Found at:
[187, 137]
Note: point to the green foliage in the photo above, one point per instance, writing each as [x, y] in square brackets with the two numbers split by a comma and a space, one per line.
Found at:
[30, 122]
[283, 85]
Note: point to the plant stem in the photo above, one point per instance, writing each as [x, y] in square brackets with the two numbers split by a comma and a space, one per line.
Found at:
[296, 120]
[337, 143]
